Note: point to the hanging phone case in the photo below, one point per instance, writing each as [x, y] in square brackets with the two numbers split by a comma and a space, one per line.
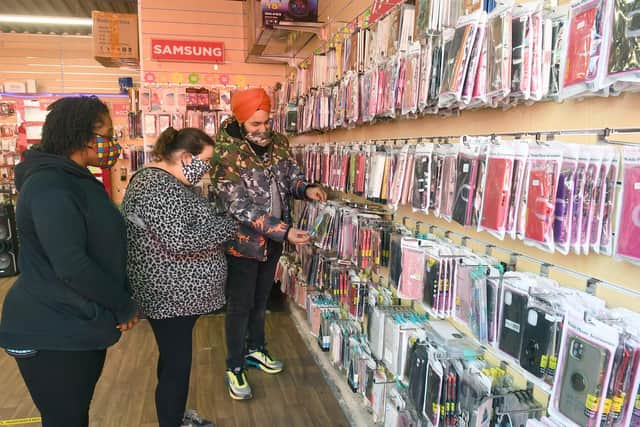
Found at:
[497, 193]
[584, 366]
[628, 244]
[538, 330]
[512, 326]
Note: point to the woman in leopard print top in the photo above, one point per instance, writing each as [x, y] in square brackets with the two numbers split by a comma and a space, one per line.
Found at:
[177, 268]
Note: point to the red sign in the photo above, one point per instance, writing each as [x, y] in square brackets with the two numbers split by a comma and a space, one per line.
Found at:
[187, 50]
[120, 109]
[381, 7]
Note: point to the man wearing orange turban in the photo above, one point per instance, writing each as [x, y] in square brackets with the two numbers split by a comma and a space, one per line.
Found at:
[255, 176]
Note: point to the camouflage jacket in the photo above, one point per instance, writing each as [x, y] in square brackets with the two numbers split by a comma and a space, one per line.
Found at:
[241, 180]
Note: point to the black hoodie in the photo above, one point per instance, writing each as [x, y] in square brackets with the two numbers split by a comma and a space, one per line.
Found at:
[72, 290]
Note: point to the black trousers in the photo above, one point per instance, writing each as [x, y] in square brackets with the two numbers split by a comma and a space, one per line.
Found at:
[175, 339]
[61, 384]
[249, 284]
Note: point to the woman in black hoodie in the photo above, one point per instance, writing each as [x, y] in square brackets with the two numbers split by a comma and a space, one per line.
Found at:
[71, 300]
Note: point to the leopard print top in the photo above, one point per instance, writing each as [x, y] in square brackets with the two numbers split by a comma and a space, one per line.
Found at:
[176, 264]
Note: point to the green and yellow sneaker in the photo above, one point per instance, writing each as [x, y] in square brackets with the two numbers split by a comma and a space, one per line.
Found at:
[239, 388]
[261, 359]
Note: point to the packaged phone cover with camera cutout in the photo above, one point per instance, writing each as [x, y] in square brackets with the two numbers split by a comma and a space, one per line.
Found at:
[497, 189]
[584, 371]
[466, 183]
[514, 301]
[517, 193]
[564, 199]
[543, 172]
[539, 337]
[627, 242]
[433, 391]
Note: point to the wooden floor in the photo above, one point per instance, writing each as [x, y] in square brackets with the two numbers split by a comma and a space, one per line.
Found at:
[124, 396]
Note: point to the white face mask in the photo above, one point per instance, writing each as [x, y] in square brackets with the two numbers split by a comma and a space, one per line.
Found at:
[195, 170]
[262, 139]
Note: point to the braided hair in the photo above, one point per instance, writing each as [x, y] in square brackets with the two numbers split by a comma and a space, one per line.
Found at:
[71, 123]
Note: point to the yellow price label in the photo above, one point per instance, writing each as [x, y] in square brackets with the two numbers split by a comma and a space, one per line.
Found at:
[618, 402]
[553, 362]
[607, 406]
[592, 402]
[544, 361]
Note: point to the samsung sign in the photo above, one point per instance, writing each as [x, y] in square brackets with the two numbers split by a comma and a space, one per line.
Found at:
[187, 51]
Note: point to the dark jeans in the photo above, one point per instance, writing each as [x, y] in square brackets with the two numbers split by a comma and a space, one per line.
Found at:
[249, 285]
[175, 338]
[61, 384]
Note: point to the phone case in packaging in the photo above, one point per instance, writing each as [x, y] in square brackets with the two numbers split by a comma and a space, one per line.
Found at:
[564, 199]
[518, 206]
[537, 53]
[583, 27]
[493, 299]
[623, 65]
[514, 303]
[411, 80]
[595, 231]
[466, 183]
[433, 393]
[559, 25]
[480, 79]
[412, 278]
[499, 53]
[457, 60]
[448, 182]
[422, 178]
[627, 242]
[497, 189]
[544, 169]
[579, 183]
[585, 366]
[521, 58]
[591, 186]
[474, 60]
[150, 125]
[426, 56]
[606, 238]
[538, 341]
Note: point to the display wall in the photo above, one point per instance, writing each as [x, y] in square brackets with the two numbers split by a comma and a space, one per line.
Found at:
[221, 21]
[59, 64]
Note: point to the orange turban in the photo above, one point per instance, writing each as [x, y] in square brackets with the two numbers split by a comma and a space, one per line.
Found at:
[245, 103]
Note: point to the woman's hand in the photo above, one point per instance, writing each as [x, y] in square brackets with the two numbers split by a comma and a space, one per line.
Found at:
[123, 327]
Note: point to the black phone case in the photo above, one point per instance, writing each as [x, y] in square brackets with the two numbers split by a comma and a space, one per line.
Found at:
[417, 374]
[512, 325]
[432, 282]
[535, 342]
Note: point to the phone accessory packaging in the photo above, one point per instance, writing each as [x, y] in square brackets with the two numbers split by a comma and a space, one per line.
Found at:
[627, 242]
[544, 170]
[517, 194]
[564, 199]
[412, 278]
[584, 370]
[466, 183]
[497, 189]
[514, 302]
[433, 391]
[538, 341]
